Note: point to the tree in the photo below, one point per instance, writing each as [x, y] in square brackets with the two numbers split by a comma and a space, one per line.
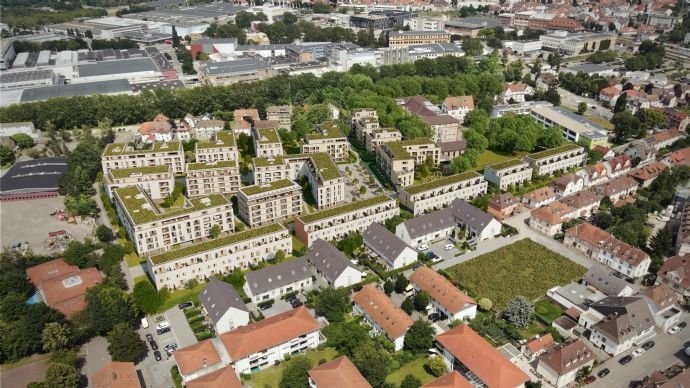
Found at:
[215, 231]
[372, 363]
[472, 46]
[518, 312]
[551, 137]
[582, 373]
[621, 103]
[108, 306]
[362, 190]
[62, 376]
[421, 301]
[346, 337]
[581, 108]
[436, 366]
[554, 60]
[419, 337]
[289, 18]
[603, 220]
[410, 382]
[22, 140]
[6, 154]
[296, 373]
[660, 244]
[485, 304]
[279, 256]
[401, 283]
[407, 305]
[55, 337]
[146, 297]
[552, 95]
[175, 38]
[124, 344]
[104, 234]
[388, 287]
[333, 304]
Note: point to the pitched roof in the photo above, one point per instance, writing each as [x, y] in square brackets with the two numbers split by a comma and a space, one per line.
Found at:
[116, 375]
[471, 216]
[264, 334]
[518, 87]
[67, 293]
[196, 357]
[459, 102]
[625, 317]
[682, 156]
[440, 289]
[541, 194]
[452, 380]
[385, 243]
[339, 373]
[568, 356]
[487, 363]
[648, 171]
[392, 319]
[540, 343]
[276, 276]
[607, 242]
[662, 296]
[503, 201]
[604, 281]
[679, 266]
[609, 92]
[218, 297]
[581, 199]
[615, 186]
[328, 260]
[49, 270]
[222, 378]
[552, 214]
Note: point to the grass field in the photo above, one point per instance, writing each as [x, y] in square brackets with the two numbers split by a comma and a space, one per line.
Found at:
[270, 377]
[142, 278]
[414, 368]
[547, 311]
[182, 295]
[523, 268]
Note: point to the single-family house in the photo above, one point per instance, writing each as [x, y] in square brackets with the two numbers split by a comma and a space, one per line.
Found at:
[382, 314]
[559, 364]
[386, 245]
[332, 265]
[223, 306]
[502, 206]
[617, 188]
[568, 184]
[539, 197]
[549, 219]
[446, 299]
[662, 301]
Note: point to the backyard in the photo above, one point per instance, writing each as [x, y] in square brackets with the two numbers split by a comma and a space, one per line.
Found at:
[414, 368]
[524, 268]
[270, 377]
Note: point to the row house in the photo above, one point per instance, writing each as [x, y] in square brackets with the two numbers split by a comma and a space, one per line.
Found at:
[616, 189]
[221, 177]
[664, 139]
[157, 181]
[382, 243]
[442, 192]
[446, 299]
[680, 157]
[561, 158]
[221, 147]
[333, 266]
[203, 260]
[511, 172]
[153, 228]
[338, 222]
[268, 203]
[398, 160]
[223, 306]
[267, 142]
[276, 281]
[619, 165]
[594, 174]
[382, 315]
[568, 184]
[584, 203]
[646, 174]
[122, 155]
[549, 219]
[329, 140]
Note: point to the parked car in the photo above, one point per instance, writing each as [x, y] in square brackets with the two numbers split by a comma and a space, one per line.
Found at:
[162, 331]
[675, 329]
[638, 352]
[184, 305]
[448, 247]
[590, 379]
[265, 307]
[154, 345]
[625, 360]
[648, 345]
[416, 267]
[157, 355]
[682, 325]
[149, 337]
[603, 373]
[434, 317]
[296, 303]
[423, 247]
[687, 351]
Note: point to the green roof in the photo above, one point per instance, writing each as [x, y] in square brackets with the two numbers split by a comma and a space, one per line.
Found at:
[277, 185]
[263, 162]
[328, 213]
[398, 148]
[133, 199]
[217, 243]
[328, 130]
[223, 139]
[463, 176]
[125, 149]
[506, 164]
[127, 172]
[211, 165]
[554, 151]
[322, 161]
[268, 136]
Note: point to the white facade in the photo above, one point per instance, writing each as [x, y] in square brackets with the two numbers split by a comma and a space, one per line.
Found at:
[556, 159]
[278, 292]
[432, 236]
[554, 378]
[158, 182]
[214, 177]
[120, 155]
[512, 172]
[442, 192]
[231, 319]
[277, 353]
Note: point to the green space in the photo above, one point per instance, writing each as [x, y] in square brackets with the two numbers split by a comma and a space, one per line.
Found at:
[142, 278]
[524, 268]
[547, 311]
[599, 120]
[535, 328]
[133, 259]
[296, 244]
[182, 295]
[271, 186]
[414, 368]
[489, 157]
[270, 377]
[328, 213]
[25, 361]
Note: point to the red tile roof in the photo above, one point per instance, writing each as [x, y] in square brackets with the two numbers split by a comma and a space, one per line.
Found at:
[681, 266]
[222, 378]
[516, 87]
[441, 289]
[605, 241]
[648, 171]
[452, 380]
[540, 343]
[459, 102]
[682, 156]
[196, 357]
[49, 270]
[392, 319]
[339, 373]
[116, 375]
[62, 289]
[662, 295]
[567, 356]
[552, 214]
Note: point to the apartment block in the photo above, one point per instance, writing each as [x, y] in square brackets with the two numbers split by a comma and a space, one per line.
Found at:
[221, 177]
[122, 155]
[446, 299]
[336, 223]
[153, 228]
[362, 122]
[270, 202]
[202, 260]
[408, 38]
[222, 147]
[267, 143]
[280, 113]
[381, 136]
[329, 140]
[398, 160]
[510, 172]
[560, 158]
[441, 192]
[157, 181]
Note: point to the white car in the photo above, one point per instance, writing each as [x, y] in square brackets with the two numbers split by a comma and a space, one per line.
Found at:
[638, 352]
[423, 247]
[675, 329]
[448, 247]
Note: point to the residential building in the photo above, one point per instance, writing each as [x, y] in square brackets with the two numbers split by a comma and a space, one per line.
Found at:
[609, 95]
[338, 222]
[446, 128]
[664, 139]
[446, 299]
[243, 120]
[362, 122]
[339, 373]
[157, 181]
[260, 344]
[329, 140]
[382, 315]
[502, 206]
[269, 203]
[568, 184]
[173, 269]
[539, 197]
[683, 235]
[550, 218]
[409, 38]
[386, 245]
[159, 129]
[450, 380]
[616, 189]
[574, 127]
[222, 177]
[398, 160]
[583, 203]
[674, 376]
[224, 377]
[559, 364]
[537, 345]
[675, 273]
[436, 194]
[560, 158]
[267, 142]
[273, 282]
[646, 174]
[380, 136]
[451, 150]
[221, 147]
[203, 127]
[467, 352]
[605, 281]
[198, 360]
[661, 300]
[458, 107]
[116, 375]
[618, 165]
[516, 92]
[280, 113]
[223, 306]
[331, 265]
[679, 157]
[512, 172]
[594, 174]
[121, 155]
[600, 245]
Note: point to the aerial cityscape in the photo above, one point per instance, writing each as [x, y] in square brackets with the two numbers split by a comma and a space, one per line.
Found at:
[344, 194]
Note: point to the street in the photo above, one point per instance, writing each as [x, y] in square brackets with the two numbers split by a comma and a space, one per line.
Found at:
[571, 100]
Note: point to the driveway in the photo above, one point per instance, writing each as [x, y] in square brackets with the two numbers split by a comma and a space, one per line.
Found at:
[571, 101]
[181, 331]
[440, 251]
[279, 306]
[95, 355]
[156, 373]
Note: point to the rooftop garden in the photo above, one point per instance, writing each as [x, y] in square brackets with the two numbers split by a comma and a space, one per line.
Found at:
[507, 164]
[264, 162]
[554, 151]
[223, 139]
[126, 149]
[211, 165]
[268, 136]
[350, 207]
[325, 165]
[149, 170]
[271, 186]
[327, 130]
[442, 182]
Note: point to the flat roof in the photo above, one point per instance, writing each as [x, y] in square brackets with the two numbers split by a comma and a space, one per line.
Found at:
[117, 86]
[270, 186]
[449, 180]
[554, 151]
[148, 170]
[350, 207]
[117, 67]
[33, 175]
[568, 120]
[222, 139]
[23, 76]
[125, 149]
[506, 164]
[211, 165]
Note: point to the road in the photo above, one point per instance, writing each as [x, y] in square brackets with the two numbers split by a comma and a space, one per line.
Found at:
[571, 100]
[95, 355]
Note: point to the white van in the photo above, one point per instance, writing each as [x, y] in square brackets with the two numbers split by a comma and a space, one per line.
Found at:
[163, 325]
[144, 323]
[409, 290]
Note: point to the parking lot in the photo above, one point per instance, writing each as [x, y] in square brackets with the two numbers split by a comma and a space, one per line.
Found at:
[438, 248]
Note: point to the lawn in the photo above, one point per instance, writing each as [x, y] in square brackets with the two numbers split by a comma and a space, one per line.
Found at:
[488, 158]
[270, 377]
[523, 268]
[182, 295]
[547, 311]
[133, 259]
[142, 278]
[414, 368]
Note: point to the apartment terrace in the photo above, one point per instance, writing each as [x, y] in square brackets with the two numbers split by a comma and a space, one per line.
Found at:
[554, 151]
[467, 175]
[223, 139]
[116, 149]
[267, 162]
[329, 213]
[271, 186]
[211, 165]
[121, 173]
[506, 164]
[327, 130]
[217, 243]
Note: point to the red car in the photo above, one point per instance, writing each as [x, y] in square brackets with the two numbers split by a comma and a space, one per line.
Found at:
[590, 379]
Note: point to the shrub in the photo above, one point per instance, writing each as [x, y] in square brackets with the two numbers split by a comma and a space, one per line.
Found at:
[485, 304]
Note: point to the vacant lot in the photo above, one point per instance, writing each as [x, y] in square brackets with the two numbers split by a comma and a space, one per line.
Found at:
[522, 268]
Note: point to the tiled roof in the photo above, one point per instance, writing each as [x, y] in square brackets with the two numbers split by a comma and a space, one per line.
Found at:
[339, 373]
[552, 214]
[385, 243]
[503, 201]
[222, 378]
[607, 242]
[581, 199]
[615, 186]
[62, 289]
[440, 289]
[682, 156]
[680, 267]
[540, 343]
[567, 357]
[516, 87]
[452, 380]
[459, 102]
[49, 270]
[662, 295]
[541, 194]
[196, 357]
[648, 171]
[328, 260]
[116, 375]
[391, 318]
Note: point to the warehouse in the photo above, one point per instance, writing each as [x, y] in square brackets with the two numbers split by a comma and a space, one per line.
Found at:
[32, 179]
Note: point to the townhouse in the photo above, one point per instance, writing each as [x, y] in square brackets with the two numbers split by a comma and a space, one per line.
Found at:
[122, 155]
[441, 192]
[617, 189]
[221, 177]
[567, 184]
[556, 159]
[268, 203]
[550, 218]
[446, 299]
[583, 203]
[511, 172]
[154, 228]
[386, 245]
[329, 140]
[339, 373]
[267, 142]
[559, 364]
[677, 158]
[602, 246]
[594, 174]
[458, 107]
[664, 139]
[362, 122]
[221, 147]
[675, 273]
[280, 113]
[157, 181]
[338, 222]
[382, 315]
[278, 280]
[332, 265]
[379, 136]
[539, 197]
[619, 165]
[223, 306]
[398, 160]
[173, 269]
[502, 206]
